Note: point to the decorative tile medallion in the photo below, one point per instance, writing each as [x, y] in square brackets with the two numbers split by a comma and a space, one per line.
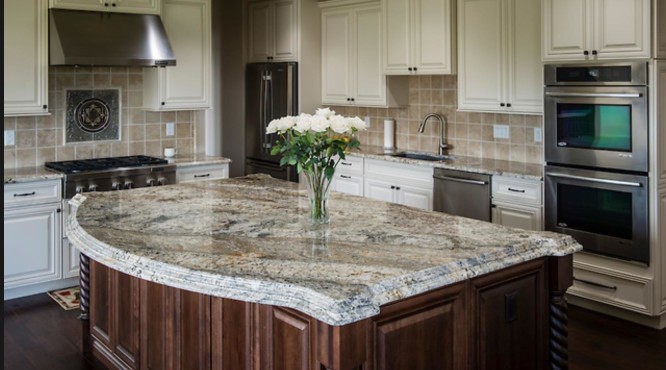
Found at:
[92, 115]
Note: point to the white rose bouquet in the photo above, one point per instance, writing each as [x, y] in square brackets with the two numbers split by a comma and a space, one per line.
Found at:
[312, 143]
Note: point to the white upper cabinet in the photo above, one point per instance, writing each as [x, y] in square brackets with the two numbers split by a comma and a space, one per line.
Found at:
[499, 66]
[352, 58]
[26, 58]
[595, 29]
[419, 36]
[120, 6]
[273, 31]
[187, 85]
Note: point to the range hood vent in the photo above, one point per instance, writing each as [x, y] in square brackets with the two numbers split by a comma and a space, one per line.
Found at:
[88, 38]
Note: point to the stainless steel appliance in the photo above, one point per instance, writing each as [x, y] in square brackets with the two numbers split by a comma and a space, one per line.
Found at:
[596, 115]
[271, 90]
[596, 153]
[462, 193]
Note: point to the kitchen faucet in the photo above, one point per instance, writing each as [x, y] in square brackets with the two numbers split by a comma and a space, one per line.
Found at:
[443, 147]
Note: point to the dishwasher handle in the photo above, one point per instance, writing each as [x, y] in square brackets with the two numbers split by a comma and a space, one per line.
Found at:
[457, 179]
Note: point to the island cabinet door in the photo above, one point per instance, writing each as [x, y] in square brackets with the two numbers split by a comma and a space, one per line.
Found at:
[114, 317]
[510, 317]
[423, 332]
[175, 328]
[286, 339]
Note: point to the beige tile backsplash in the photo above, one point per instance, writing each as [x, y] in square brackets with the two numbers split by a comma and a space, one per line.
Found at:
[468, 133]
[41, 138]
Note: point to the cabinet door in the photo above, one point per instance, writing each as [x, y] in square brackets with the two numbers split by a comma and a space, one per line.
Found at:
[528, 218]
[380, 190]
[398, 33]
[480, 53]
[260, 36]
[186, 85]
[32, 245]
[369, 81]
[350, 184]
[622, 28]
[336, 48]
[125, 6]
[202, 173]
[567, 29]
[524, 69]
[70, 259]
[285, 29]
[432, 37]
[26, 58]
[414, 196]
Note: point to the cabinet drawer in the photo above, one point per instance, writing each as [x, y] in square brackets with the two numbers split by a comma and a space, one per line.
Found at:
[516, 190]
[350, 165]
[205, 172]
[37, 192]
[625, 292]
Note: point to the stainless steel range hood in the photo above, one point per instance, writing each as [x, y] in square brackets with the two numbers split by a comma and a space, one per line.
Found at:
[107, 39]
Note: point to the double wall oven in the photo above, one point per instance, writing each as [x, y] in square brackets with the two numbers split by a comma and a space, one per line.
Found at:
[596, 153]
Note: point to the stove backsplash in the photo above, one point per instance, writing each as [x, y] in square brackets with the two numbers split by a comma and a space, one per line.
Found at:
[42, 139]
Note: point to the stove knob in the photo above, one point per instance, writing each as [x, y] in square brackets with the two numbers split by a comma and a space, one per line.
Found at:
[92, 187]
[129, 184]
[161, 181]
[150, 182]
[115, 186]
[79, 189]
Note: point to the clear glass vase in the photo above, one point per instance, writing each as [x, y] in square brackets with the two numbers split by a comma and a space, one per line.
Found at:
[318, 189]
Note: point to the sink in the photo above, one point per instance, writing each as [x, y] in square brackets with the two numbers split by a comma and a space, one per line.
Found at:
[423, 156]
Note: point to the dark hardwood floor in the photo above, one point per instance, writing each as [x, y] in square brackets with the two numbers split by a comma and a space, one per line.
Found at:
[40, 335]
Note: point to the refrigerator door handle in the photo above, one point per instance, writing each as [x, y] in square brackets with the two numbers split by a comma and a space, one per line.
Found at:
[290, 89]
[262, 110]
[268, 110]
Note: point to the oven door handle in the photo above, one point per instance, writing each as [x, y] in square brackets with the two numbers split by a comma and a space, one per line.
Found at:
[592, 179]
[593, 95]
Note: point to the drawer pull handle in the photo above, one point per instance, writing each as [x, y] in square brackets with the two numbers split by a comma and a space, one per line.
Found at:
[596, 284]
[345, 177]
[25, 194]
[517, 190]
[198, 176]
[345, 163]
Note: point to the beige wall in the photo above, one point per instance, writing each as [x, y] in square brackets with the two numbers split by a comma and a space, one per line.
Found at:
[41, 139]
[468, 133]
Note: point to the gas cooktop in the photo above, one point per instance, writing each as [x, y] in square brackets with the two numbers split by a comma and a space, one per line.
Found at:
[102, 164]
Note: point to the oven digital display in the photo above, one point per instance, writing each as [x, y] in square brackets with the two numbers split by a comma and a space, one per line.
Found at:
[594, 74]
[594, 126]
[598, 211]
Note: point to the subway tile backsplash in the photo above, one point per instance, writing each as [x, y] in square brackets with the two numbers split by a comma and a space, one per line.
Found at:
[41, 139]
[468, 133]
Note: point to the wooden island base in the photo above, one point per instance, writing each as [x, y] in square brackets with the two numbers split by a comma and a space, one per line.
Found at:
[513, 318]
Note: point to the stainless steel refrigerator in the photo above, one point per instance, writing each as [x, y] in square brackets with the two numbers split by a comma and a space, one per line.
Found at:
[271, 90]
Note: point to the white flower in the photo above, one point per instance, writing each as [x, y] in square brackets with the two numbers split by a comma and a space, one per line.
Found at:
[320, 124]
[340, 124]
[357, 123]
[280, 125]
[325, 112]
[303, 122]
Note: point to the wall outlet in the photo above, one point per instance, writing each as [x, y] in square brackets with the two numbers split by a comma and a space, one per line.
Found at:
[537, 135]
[367, 122]
[10, 137]
[501, 131]
[170, 129]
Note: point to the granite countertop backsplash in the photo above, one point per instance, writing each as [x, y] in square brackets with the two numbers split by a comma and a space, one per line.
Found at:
[247, 238]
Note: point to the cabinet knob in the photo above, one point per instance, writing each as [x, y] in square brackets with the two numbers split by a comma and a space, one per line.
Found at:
[163, 103]
[348, 99]
[415, 68]
[106, 4]
[586, 52]
[502, 104]
[45, 106]
[410, 68]
[114, 4]
[58, 210]
[508, 104]
[397, 188]
[594, 52]
[392, 187]
[352, 99]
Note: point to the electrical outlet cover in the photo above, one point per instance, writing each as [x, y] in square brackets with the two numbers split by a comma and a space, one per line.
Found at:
[10, 137]
[170, 129]
[537, 135]
[501, 131]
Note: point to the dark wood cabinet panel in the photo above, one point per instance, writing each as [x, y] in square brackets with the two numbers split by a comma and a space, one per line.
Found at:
[232, 334]
[510, 317]
[287, 339]
[423, 333]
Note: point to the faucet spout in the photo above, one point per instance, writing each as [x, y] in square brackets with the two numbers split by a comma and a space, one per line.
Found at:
[443, 147]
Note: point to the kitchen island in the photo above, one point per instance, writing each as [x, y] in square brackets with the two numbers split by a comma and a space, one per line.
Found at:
[227, 274]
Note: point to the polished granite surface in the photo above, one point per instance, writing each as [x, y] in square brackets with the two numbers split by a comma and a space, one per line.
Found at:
[247, 238]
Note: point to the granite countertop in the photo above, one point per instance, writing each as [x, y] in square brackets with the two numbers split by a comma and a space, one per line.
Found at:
[486, 166]
[40, 173]
[247, 238]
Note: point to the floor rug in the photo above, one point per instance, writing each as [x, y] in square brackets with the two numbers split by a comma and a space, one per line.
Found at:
[67, 298]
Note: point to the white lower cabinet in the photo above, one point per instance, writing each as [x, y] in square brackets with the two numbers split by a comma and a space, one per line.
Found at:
[517, 202]
[409, 185]
[201, 172]
[348, 176]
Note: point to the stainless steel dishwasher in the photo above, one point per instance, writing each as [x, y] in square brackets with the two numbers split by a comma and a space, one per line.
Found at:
[462, 193]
